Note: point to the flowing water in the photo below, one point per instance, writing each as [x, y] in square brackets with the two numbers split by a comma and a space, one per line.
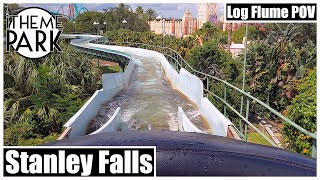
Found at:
[149, 102]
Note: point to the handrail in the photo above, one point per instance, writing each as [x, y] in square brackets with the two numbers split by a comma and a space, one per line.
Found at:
[81, 44]
[180, 61]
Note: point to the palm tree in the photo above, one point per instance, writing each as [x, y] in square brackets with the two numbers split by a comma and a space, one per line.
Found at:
[121, 5]
[151, 14]
[139, 11]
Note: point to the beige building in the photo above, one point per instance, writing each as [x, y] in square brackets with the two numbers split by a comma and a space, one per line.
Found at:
[224, 26]
[187, 25]
[207, 12]
[176, 27]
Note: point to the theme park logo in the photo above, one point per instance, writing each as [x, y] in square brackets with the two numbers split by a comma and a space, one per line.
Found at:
[33, 32]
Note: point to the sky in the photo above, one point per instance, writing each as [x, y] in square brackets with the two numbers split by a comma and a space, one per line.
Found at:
[170, 10]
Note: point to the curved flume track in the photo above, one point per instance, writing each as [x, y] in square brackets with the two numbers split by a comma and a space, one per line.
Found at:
[149, 102]
[149, 95]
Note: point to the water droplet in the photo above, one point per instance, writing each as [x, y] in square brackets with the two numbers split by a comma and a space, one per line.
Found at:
[221, 160]
[211, 157]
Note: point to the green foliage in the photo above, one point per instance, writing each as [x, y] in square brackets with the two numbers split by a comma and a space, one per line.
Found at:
[21, 134]
[12, 8]
[307, 31]
[181, 45]
[18, 132]
[40, 95]
[150, 14]
[303, 112]
[38, 140]
[136, 21]
[253, 33]
[84, 21]
[214, 60]
[275, 63]
[255, 137]
[210, 32]
[109, 69]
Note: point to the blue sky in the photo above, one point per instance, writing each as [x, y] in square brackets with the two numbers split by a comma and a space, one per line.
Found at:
[169, 9]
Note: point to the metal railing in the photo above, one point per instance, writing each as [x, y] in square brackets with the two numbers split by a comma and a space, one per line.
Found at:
[178, 62]
[102, 53]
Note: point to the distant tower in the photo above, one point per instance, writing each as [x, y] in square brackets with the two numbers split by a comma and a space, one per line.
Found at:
[187, 21]
[207, 12]
[222, 25]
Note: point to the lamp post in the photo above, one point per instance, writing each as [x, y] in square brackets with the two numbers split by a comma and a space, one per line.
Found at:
[245, 58]
[105, 25]
[74, 23]
[244, 73]
[96, 23]
[125, 22]
[161, 18]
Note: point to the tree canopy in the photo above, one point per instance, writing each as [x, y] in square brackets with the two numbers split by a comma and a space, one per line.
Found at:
[111, 19]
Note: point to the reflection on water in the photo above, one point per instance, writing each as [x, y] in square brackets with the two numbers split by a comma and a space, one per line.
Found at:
[148, 103]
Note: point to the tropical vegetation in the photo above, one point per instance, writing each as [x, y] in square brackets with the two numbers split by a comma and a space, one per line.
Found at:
[40, 95]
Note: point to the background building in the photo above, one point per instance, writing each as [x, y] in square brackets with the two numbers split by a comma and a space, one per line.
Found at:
[187, 25]
[176, 27]
[207, 12]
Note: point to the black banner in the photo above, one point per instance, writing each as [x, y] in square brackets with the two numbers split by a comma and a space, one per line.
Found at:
[104, 161]
[271, 12]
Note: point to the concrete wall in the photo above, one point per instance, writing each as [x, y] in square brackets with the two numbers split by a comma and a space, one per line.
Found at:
[80, 120]
[191, 86]
[215, 118]
[188, 84]
[112, 85]
[185, 122]
[112, 124]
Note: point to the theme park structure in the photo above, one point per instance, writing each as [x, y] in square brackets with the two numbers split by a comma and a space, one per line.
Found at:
[221, 149]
